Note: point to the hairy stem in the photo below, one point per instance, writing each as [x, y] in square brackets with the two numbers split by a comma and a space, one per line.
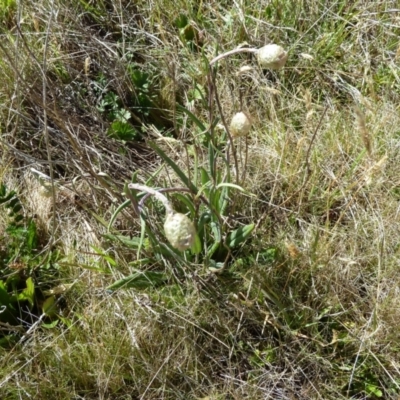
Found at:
[159, 196]
[231, 52]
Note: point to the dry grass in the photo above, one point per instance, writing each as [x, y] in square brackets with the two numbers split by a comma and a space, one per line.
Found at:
[306, 309]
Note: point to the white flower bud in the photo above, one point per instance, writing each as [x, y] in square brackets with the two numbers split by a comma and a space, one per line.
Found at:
[272, 56]
[180, 231]
[240, 125]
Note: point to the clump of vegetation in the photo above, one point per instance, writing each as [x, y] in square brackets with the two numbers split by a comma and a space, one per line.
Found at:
[201, 205]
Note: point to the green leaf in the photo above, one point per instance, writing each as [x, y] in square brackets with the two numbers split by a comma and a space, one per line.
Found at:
[185, 199]
[143, 229]
[214, 199]
[14, 202]
[140, 263]
[196, 248]
[223, 200]
[5, 298]
[212, 249]
[192, 117]
[31, 239]
[238, 236]
[122, 130]
[49, 306]
[139, 78]
[373, 389]
[139, 280]
[216, 230]
[188, 33]
[125, 204]
[50, 325]
[28, 293]
[211, 160]
[197, 93]
[133, 243]
[205, 178]
[4, 197]
[17, 208]
[106, 257]
[186, 181]
[18, 218]
[123, 115]
[181, 21]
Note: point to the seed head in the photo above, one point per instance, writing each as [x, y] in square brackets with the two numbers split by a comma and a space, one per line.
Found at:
[240, 125]
[272, 56]
[180, 231]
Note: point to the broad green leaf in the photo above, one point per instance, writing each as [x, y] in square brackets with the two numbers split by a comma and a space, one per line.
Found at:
[139, 280]
[223, 200]
[213, 249]
[373, 389]
[214, 199]
[49, 306]
[204, 219]
[196, 248]
[28, 293]
[205, 178]
[50, 325]
[238, 236]
[133, 243]
[188, 33]
[181, 21]
[139, 78]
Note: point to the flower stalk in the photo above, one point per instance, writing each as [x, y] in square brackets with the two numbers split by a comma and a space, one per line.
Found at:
[270, 56]
[159, 196]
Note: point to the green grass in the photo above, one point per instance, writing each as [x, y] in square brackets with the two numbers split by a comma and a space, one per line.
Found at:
[291, 290]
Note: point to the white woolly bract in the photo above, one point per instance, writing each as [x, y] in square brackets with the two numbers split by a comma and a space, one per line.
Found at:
[180, 231]
[272, 56]
[240, 125]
